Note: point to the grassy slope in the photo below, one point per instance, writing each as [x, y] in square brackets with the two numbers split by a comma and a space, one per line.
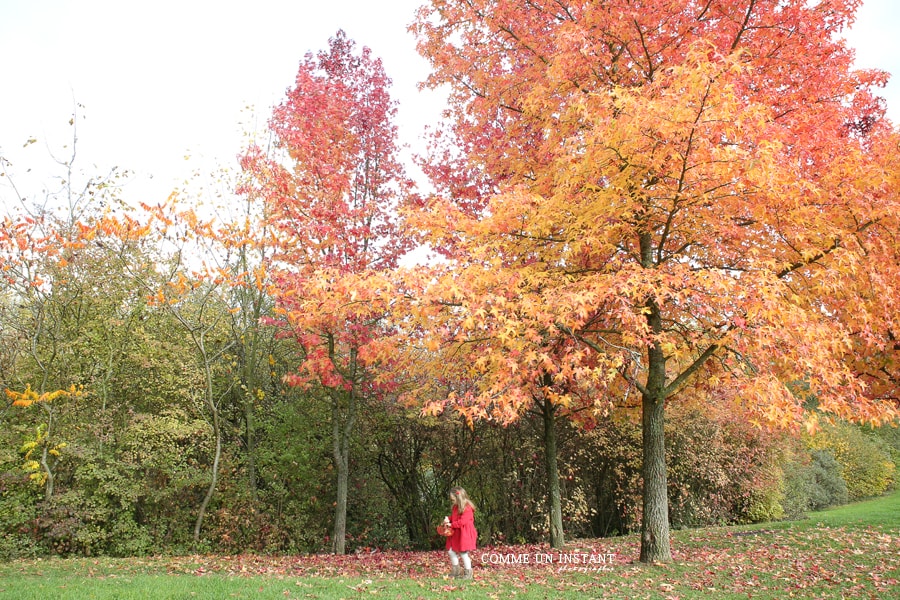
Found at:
[848, 552]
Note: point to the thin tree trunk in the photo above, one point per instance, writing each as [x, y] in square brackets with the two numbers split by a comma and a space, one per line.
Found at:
[217, 432]
[48, 490]
[557, 536]
[338, 535]
[201, 513]
[248, 394]
[341, 445]
[251, 448]
[342, 433]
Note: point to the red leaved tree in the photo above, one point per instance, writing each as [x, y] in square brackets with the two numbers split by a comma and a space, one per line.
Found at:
[693, 192]
[331, 189]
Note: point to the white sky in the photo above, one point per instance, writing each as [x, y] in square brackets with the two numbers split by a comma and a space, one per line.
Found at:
[167, 79]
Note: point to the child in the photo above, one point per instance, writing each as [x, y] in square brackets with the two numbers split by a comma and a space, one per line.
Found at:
[462, 522]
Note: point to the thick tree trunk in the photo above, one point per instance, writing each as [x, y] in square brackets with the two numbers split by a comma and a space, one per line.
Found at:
[655, 519]
[557, 537]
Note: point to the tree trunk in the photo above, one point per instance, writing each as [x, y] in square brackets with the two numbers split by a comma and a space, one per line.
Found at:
[48, 490]
[217, 457]
[251, 446]
[655, 519]
[217, 432]
[557, 536]
[342, 466]
[341, 457]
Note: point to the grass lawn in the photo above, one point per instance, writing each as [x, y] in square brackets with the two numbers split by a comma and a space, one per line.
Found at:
[848, 552]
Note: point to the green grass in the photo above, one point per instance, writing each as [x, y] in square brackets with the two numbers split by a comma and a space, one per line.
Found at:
[139, 587]
[881, 512]
[847, 552]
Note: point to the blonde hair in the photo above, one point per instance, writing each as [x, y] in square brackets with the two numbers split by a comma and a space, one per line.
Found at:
[461, 499]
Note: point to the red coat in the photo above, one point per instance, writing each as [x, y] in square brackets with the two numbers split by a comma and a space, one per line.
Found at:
[464, 532]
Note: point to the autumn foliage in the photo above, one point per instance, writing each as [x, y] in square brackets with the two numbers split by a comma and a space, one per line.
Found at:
[331, 190]
[665, 240]
[692, 193]
[703, 182]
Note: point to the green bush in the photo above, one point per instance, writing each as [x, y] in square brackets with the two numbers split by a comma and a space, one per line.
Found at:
[829, 488]
[170, 455]
[295, 485]
[19, 500]
[890, 435]
[865, 459]
[797, 484]
[766, 496]
[811, 480]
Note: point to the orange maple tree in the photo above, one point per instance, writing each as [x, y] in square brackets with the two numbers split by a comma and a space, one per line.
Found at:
[331, 188]
[478, 347]
[693, 193]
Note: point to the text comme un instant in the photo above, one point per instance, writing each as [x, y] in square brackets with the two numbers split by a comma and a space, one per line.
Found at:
[571, 558]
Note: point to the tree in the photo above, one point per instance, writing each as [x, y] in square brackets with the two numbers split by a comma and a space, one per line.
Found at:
[331, 191]
[45, 264]
[195, 296]
[96, 351]
[680, 188]
[237, 241]
[480, 333]
[253, 339]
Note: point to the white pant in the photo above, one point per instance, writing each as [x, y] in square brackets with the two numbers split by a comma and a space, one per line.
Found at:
[454, 559]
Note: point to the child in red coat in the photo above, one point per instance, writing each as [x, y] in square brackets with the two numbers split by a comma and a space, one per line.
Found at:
[464, 536]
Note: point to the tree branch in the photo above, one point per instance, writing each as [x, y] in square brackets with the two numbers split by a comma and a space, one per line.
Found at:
[693, 368]
[598, 349]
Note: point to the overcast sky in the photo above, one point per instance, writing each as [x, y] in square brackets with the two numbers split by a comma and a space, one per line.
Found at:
[166, 85]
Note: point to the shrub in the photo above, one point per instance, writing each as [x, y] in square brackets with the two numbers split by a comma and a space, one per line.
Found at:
[812, 479]
[865, 461]
[503, 470]
[169, 455]
[712, 460]
[797, 484]
[295, 483]
[829, 488]
[719, 469]
[890, 434]
[609, 462]
[418, 461]
[766, 495]
[19, 500]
